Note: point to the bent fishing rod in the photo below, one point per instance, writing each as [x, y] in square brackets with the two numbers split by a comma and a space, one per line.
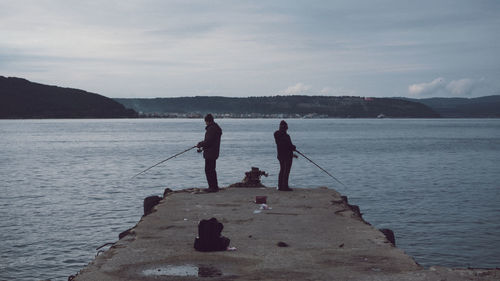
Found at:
[173, 156]
[320, 168]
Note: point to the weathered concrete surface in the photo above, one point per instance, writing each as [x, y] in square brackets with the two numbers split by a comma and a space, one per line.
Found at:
[326, 241]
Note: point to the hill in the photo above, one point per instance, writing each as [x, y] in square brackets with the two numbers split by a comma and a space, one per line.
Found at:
[488, 106]
[20, 98]
[355, 107]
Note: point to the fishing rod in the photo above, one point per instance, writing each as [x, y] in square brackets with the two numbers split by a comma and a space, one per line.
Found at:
[320, 168]
[173, 156]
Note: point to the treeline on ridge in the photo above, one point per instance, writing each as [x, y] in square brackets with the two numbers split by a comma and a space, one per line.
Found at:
[328, 106]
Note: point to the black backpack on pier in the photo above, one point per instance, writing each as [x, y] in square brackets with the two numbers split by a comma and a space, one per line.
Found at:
[209, 236]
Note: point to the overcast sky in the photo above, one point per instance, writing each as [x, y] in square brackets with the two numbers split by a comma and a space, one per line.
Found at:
[132, 48]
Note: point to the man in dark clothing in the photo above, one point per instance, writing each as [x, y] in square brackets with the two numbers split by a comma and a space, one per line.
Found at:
[211, 147]
[285, 155]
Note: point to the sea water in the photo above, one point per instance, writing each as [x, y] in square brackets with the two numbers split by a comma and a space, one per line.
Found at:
[66, 187]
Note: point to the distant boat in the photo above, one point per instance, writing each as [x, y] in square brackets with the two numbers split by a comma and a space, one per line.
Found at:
[380, 116]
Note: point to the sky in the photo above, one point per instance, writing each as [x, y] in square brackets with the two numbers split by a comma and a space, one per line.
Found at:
[165, 48]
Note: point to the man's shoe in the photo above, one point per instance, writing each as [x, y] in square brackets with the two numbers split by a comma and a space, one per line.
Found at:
[210, 190]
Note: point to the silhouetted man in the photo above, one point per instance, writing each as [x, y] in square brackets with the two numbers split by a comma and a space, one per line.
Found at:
[211, 147]
[285, 155]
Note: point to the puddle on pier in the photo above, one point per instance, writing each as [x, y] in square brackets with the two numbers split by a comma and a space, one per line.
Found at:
[183, 270]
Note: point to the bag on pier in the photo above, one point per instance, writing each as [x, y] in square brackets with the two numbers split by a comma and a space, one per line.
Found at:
[209, 236]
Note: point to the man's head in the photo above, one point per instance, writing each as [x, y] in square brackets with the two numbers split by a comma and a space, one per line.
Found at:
[209, 119]
[283, 125]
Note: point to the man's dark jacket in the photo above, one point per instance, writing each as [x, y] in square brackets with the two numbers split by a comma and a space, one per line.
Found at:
[211, 143]
[284, 145]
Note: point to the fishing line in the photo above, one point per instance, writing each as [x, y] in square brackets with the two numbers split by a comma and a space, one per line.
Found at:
[173, 156]
[320, 168]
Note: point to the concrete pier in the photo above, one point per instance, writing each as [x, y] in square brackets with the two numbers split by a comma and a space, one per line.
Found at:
[306, 234]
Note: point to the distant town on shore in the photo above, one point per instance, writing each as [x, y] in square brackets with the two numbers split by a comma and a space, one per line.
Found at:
[20, 99]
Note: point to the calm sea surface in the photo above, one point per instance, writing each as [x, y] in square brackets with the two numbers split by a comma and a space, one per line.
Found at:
[65, 186]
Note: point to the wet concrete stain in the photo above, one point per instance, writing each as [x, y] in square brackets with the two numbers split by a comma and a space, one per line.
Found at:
[186, 270]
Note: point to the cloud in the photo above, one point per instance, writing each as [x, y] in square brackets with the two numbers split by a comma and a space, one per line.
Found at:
[169, 48]
[297, 89]
[439, 87]
[424, 89]
[462, 87]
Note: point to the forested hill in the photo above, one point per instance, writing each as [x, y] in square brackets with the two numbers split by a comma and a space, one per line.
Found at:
[20, 98]
[488, 106]
[355, 107]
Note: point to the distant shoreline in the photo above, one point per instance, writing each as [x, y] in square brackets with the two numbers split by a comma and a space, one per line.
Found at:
[316, 107]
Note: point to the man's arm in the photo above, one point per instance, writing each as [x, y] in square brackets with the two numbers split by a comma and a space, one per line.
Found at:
[210, 137]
